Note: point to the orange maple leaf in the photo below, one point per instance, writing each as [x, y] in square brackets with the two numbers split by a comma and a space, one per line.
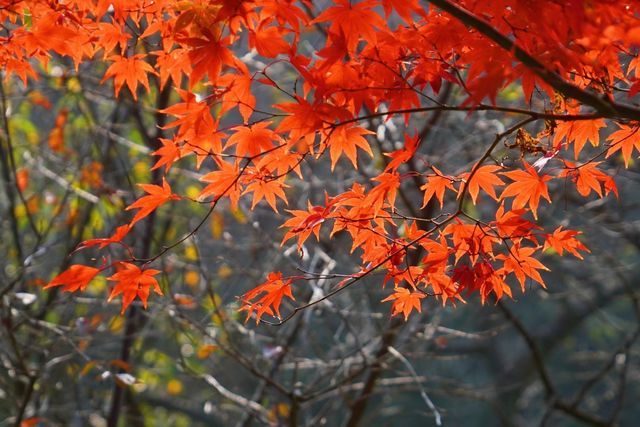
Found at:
[116, 237]
[405, 301]
[588, 178]
[238, 92]
[387, 189]
[561, 240]
[304, 223]
[222, 182]
[268, 189]
[111, 35]
[157, 196]
[133, 282]
[402, 155]
[74, 278]
[269, 40]
[627, 138]
[251, 141]
[173, 64]
[435, 186]
[527, 188]
[345, 140]
[520, 262]
[274, 289]
[208, 54]
[306, 118]
[168, 153]
[129, 70]
[510, 224]
[484, 178]
[355, 21]
[579, 132]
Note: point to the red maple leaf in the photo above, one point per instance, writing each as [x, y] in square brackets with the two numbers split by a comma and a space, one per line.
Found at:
[345, 140]
[435, 186]
[131, 70]
[157, 196]
[527, 188]
[520, 262]
[222, 182]
[484, 178]
[355, 21]
[579, 132]
[253, 140]
[267, 297]
[561, 240]
[116, 237]
[405, 301]
[626, 139]
[74, 278]
[133, 282]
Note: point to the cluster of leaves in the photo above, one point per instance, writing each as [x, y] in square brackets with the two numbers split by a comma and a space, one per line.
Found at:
[366, 70]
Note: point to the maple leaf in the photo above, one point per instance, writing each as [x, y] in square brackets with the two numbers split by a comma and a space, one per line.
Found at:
[222, 182]
[304, 223]
[111, 35]
[306, 119]
[405, 301]
[238, 92]
[168, 153]
[129, 70]
[437, 254]
[207, 55]
[46, 35]
[561, 240]
[285, 11]
[520, 262]
[268, 189]
[510, 224]
[402, 155]
[471, 240]
[588, 178]
[345, 140]
[484, 178]
[579, 132]
[626, 139]
[133, 282]
[404, 8]
[355, 21]
[253, 140]
[386, 190]
[267, 297]
[116, 237]
[74, 278]
[269, 40]
[281, 161]
[157, 196]
[527, 188]
[172, 65]
[435, 186]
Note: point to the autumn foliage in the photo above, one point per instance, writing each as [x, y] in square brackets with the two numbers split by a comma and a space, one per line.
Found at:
[474, 229]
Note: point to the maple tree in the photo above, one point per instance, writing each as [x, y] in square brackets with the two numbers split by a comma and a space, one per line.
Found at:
[201, 67]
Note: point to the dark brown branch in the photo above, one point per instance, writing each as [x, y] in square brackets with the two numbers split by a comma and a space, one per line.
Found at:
[603, 106]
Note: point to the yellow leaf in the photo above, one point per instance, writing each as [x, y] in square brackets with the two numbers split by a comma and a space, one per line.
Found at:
[217, 225]
[224, 271]
[174, 387]
[192, 278]
[205, 350]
